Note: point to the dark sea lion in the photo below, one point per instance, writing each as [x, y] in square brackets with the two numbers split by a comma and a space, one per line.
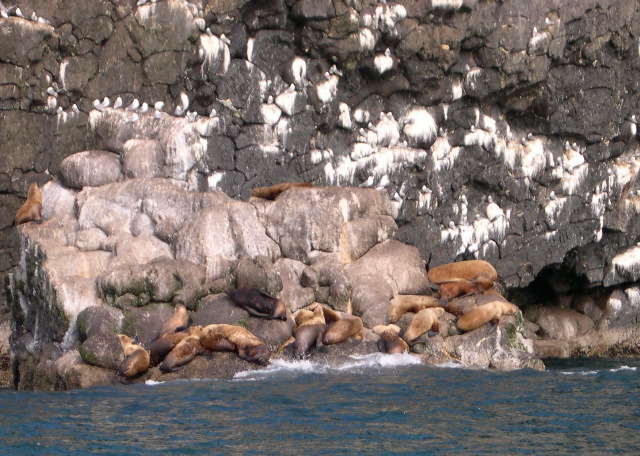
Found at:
[136, 358]
[463, 287]
[425, 320]
[307, 338]
[485, 313]
[183, 353]
[273, 191]
[468, 270]
[258, 303]
[401, 304]
[342, 329]
[163, 345]
[390, 341]
[31, 210]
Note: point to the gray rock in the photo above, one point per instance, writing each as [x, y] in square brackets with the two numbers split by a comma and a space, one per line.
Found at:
[91, 168]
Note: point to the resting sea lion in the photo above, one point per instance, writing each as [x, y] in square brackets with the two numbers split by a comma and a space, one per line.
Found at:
[480, 315]
[305, 317]
[401, 304]
[470, 269]
[179, 319]
[273, 191]
[31, 210]
[464, 304]
[163, 345]
[342, 329]
[136, 358]
[258, 303]
[423, 321]
[212, 341]
[187, 349]
[307, 338]
[390, 341]
[247, 345]
[330, 315]
[455, 289]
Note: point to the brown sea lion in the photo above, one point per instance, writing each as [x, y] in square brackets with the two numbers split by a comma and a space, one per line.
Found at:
[342, 329]
[390, 341]
[212, 341]
[485, 313]
[330, 315]
[307, 338]
[163, 345]
[401, 304]
[179, 319]
[305, 317]
[183, 353]
[425, 320]
[258, 303]
[31, 210]
[462, 305]
[273, 191]
[248, 346]
[136, 358]
[469, 269]
[450, 290]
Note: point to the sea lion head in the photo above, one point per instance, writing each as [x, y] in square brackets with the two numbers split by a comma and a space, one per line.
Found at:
[280, 310]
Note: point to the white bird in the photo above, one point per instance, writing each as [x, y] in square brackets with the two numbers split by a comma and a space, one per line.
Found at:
[225, 40]
[184, 101]
[97, 105]
[213, 113]
[75, 109]
[118, 103]
[143, 109]
[135, 104]
[179, 111]
[192, 116]
[157, 114]
[19, 12]
[51, 91]
[106, 102]
[42, 20]
[34, 17]
[208, 32]
[159, 105]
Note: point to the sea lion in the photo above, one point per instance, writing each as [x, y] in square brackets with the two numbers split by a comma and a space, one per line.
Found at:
[31, 210]
[468, 270]
[455, 289]
[330, 315]
[307, 338]
[212, 341]
[390, 341]
[305, 317]
[258, 303]
[248, 346]
[163, 345]
[342, 329]
[273, 191]
[480, 315]
[136, 358]
[423, 321]
[180, 318]
[401, 304]
[462, 305]
[183, 353]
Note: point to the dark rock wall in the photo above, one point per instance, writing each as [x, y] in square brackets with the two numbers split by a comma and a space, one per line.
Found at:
[502, 130]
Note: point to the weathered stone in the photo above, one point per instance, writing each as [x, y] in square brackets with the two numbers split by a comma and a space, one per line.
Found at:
[142, 158]
[95, 319]
[91, 168]
[143, 324]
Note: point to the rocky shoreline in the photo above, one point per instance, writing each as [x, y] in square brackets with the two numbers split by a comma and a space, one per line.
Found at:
[432, 131]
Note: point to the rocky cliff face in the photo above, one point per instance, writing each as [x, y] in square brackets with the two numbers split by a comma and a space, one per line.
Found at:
[499, 130]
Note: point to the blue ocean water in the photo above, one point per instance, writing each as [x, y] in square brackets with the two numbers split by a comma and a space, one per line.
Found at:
[382, 404]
